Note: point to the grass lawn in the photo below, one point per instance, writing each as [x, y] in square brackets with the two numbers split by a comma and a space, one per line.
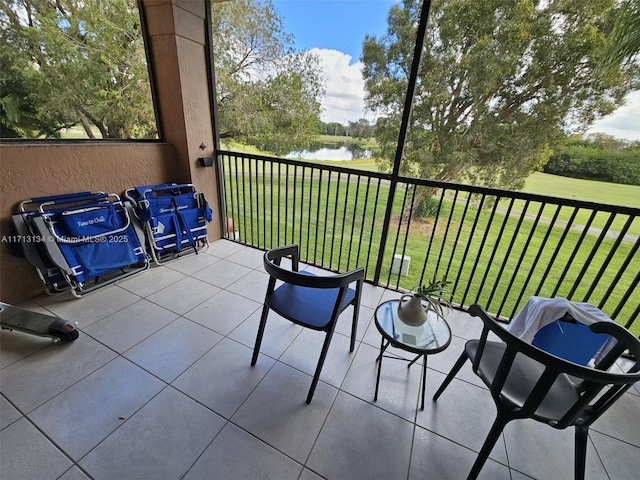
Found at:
[539, 183]
[338, 225]
[589, 190]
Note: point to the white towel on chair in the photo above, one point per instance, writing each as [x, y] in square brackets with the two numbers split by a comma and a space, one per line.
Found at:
[539, 312]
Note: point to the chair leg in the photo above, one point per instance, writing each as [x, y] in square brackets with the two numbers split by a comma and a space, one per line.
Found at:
[323, 355]
[263, 322]
[580, 452]
[490, 441]
[354, 324]
[456, 368]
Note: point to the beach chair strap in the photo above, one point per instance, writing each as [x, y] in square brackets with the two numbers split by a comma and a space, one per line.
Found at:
[144, 211]
[208, 213]
[183, 226]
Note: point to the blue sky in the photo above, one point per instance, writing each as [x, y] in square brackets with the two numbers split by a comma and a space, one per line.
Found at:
[334, 24]
[334, 31]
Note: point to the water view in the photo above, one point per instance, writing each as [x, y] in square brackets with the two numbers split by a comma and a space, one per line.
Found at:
[332, 151]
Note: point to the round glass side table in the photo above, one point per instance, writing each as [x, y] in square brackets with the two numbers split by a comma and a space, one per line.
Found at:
[429, 338]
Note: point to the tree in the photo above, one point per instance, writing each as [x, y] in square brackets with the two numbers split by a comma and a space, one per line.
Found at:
[624, 42]
[499, 82]
[18, 108]
[333, 128]
[81, 62]
[597, 157]
[268, 94]
[361, 129]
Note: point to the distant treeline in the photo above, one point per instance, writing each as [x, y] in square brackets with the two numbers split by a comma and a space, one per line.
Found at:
[597, 157]
[360, 129]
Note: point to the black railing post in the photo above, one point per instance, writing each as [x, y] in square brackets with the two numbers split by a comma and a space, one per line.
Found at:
[406, 114]
[222, 202]
[213, 104]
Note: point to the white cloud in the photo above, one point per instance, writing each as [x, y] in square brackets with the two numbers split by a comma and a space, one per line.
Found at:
[344, 98]
[624, 122]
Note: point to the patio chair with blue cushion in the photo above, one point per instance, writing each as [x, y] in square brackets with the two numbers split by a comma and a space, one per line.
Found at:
[308, 300]
[527, 382]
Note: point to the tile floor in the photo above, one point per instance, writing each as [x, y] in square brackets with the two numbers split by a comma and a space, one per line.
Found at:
[159, 386]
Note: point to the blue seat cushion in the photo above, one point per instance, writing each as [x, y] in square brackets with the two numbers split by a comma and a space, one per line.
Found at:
[572, 341]
[307, 306]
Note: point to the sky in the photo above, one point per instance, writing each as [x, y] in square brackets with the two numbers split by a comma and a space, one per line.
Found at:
[335, 29]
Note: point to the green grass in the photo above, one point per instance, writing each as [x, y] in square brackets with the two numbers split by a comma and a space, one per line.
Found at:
[539, 183]
[366, 164]
[242, 148]
[587, 190]
[349, 233]
[591, 191]
[78, 132]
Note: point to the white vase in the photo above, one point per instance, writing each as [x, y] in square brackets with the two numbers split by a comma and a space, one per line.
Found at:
[411, 311]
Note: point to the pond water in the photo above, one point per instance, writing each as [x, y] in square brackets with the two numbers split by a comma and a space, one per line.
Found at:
[332, 151]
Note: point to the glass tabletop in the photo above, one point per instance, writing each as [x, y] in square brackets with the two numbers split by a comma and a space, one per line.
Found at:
[431, 337]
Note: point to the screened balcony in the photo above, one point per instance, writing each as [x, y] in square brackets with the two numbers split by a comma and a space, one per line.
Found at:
[159, 384]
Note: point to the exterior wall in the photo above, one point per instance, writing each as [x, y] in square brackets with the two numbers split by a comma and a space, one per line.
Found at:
[176, 36]
[177, 39]
[41, 168]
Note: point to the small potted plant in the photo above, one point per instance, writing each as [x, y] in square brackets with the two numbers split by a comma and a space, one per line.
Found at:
[414, 306]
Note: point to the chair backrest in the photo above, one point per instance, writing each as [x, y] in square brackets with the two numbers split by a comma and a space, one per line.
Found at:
[596, 388]
[272, 260]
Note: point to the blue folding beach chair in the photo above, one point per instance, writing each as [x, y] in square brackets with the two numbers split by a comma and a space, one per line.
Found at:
[174, 217]
[29, 245]
[80, 241]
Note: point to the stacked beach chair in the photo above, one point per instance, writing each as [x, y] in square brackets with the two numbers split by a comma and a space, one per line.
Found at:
[80, 241]
[84, 241]
[174, 218]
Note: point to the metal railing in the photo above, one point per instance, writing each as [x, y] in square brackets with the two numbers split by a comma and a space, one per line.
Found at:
[496, 247]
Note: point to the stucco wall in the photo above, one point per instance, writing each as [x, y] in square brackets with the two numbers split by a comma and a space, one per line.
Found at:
[32, 170]
[176, 37]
